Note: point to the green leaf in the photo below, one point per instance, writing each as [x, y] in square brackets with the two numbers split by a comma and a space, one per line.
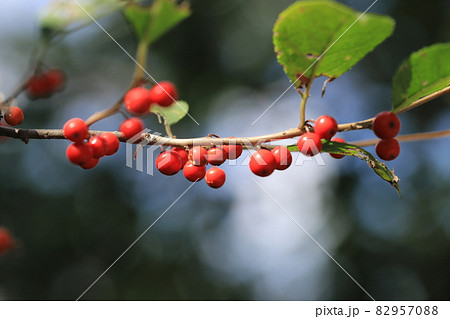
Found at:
[424, 72]
[171, 114]
[63, 15]
[151, 22]
[352, 150]
[307, 29]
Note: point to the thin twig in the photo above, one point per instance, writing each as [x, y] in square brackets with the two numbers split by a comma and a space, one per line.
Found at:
[106, 113]
[407, 138]
[425, 99]
[367, 124]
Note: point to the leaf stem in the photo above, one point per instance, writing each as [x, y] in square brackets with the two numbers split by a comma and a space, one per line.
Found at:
[138, 78]
[305, 96]
[141, 58]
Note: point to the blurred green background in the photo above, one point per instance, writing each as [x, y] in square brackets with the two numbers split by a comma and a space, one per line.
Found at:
[235, 243]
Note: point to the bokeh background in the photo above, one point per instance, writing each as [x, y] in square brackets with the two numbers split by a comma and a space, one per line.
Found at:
[235, 243]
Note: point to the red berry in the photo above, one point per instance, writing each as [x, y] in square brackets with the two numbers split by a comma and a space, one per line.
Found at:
[216, 156]
[131, 127]
[44, 84]
[326, 127]
[215, 177]
[194, 173]
[138, 101]
[164, 93]
[76, 130]
[386, 125]
[339, 140]
[14, 116]
[183, 154]
[98, 145]
[283, 157]
[55, 79]
[37, 87]
[168, 163]
[112, 143]
[388, 149]
[262, 163]
[6, 240]
[90, 164]
[197, 155]
[233, 151]
[309, 144]
[79, 153]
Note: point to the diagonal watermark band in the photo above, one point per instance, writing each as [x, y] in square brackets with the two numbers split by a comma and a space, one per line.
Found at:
[315, 62]
[132, 58]
[313, 239]
[134, 243]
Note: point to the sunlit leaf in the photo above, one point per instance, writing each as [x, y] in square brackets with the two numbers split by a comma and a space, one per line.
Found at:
[151, 22]
[171, 114]
[309, 28]
[64, 15]
[424, 72]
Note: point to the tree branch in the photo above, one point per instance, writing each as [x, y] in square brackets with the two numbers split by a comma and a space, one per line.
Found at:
[151, 139]
[247, 142]
[42, 134]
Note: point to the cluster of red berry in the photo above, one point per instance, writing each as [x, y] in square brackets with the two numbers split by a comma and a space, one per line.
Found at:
[193, 162]
[45, 83]
[88, 153]
[138, 101]
[6, 240]
[40, 85]
[264, 162]
[386, 126]
[325, 127]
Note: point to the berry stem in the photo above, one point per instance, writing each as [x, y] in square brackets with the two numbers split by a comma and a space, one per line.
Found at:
[35, 61]
[168, 130]
[106, 113]
[15, 94]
